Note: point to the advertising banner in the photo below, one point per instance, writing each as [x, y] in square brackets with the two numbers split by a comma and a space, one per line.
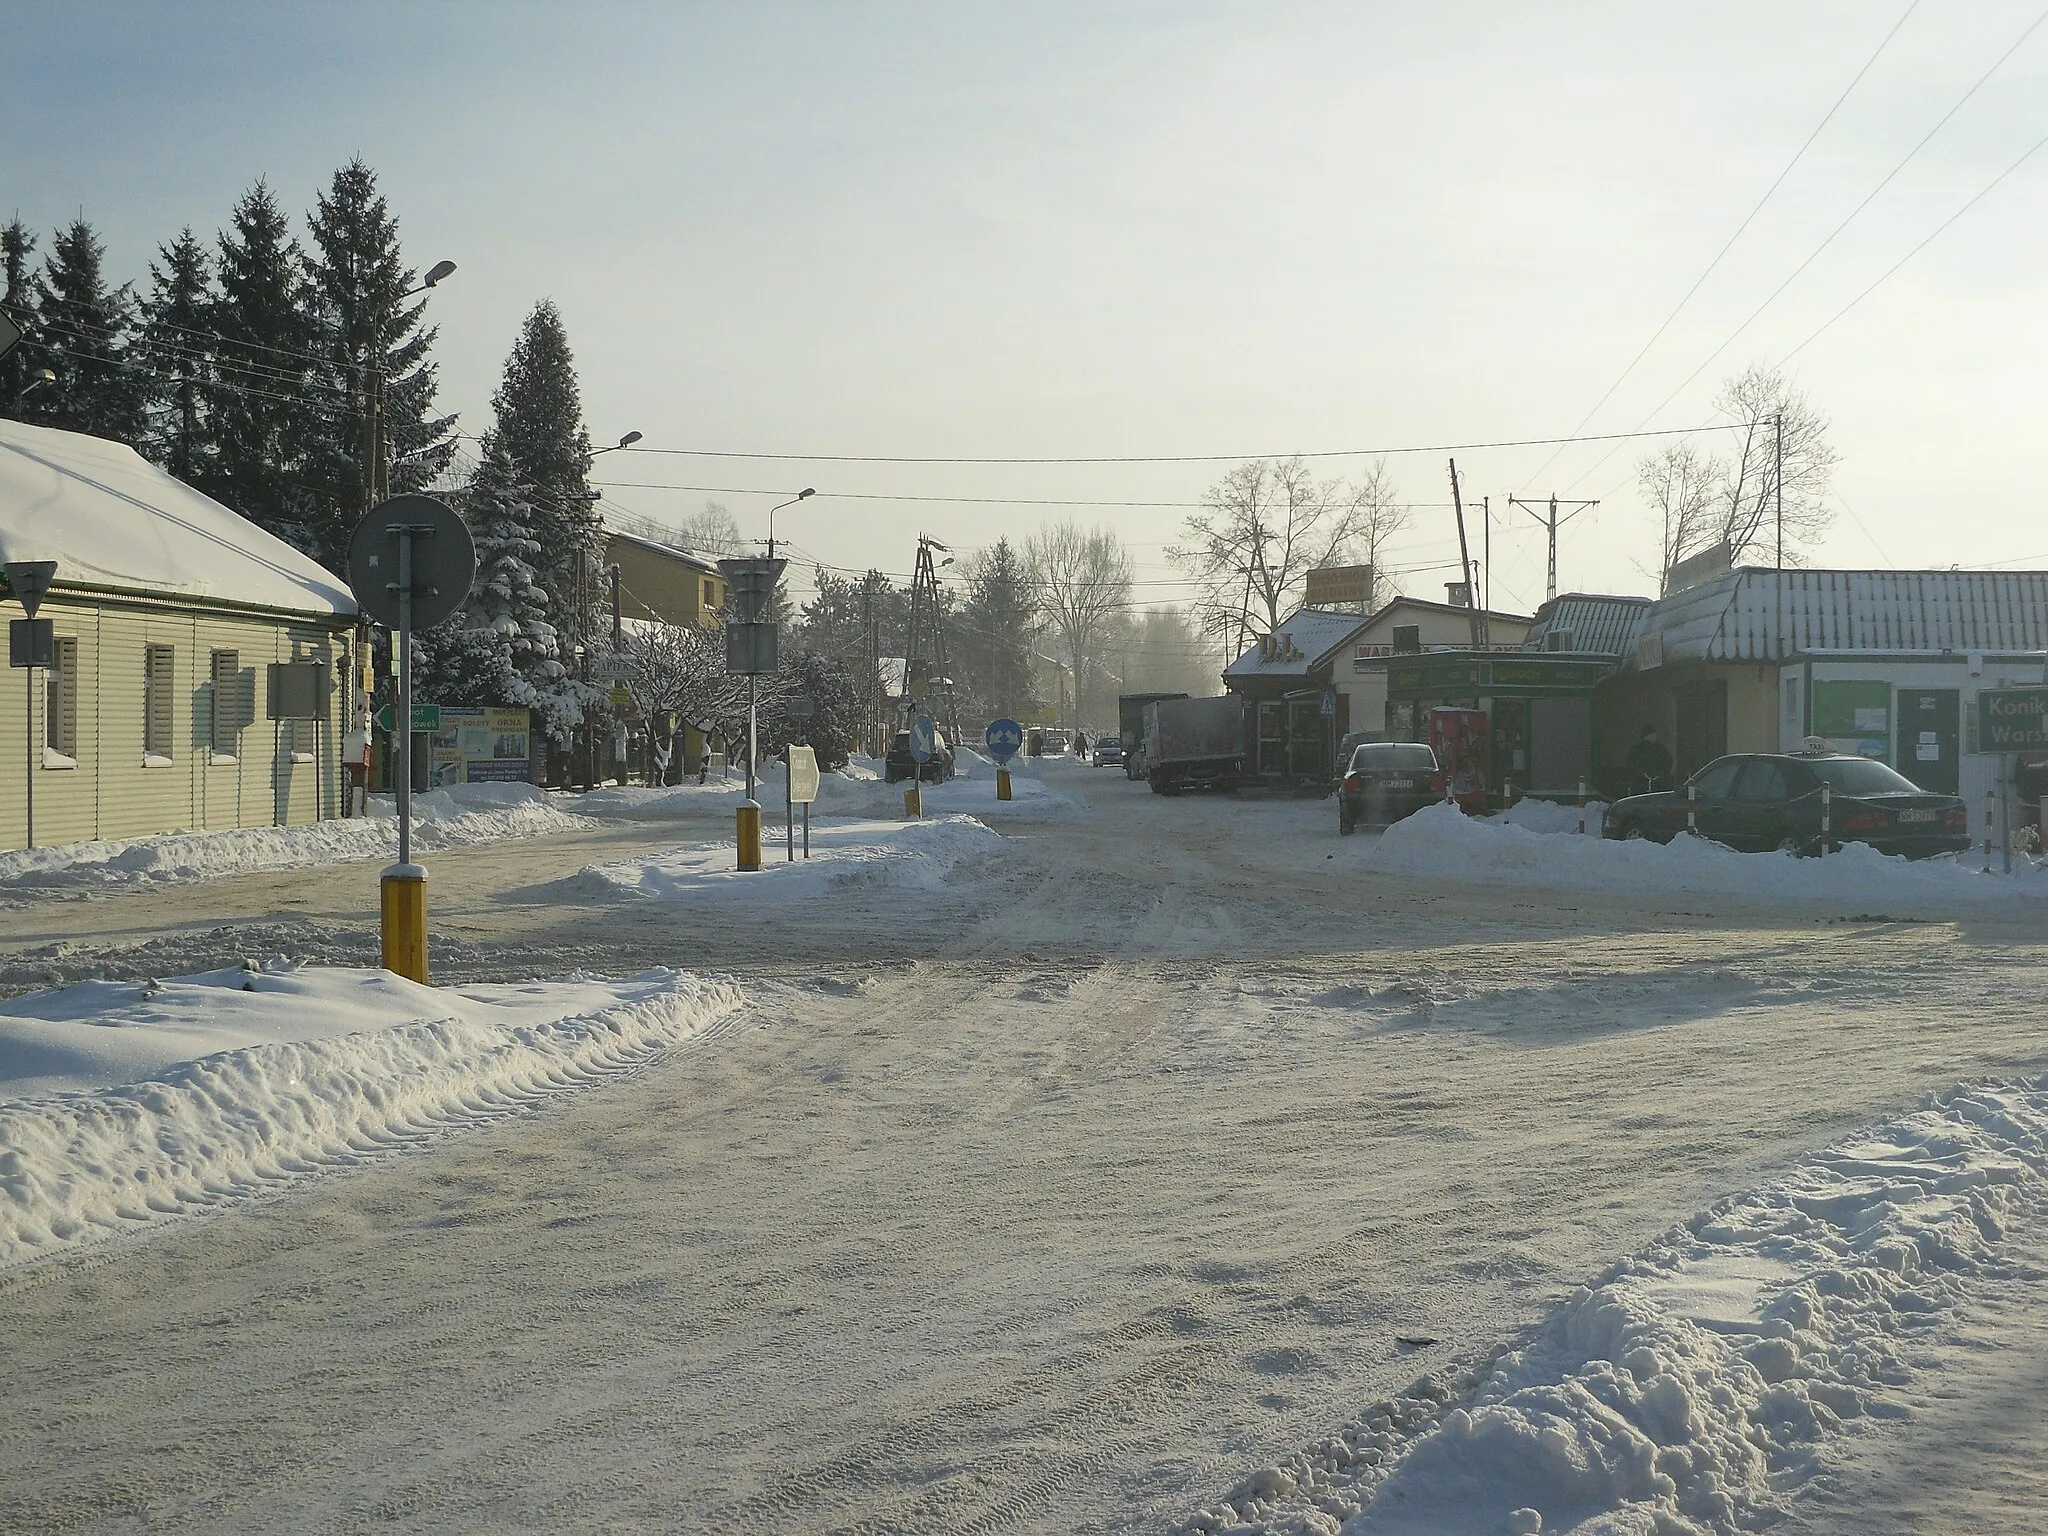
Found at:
[482, 746]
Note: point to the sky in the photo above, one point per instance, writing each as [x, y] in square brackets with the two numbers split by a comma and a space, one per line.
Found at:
[785, 236]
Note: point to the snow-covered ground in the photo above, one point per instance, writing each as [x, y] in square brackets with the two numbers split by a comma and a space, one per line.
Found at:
[856, 790]
[1533, 847]
[121, 1102]
[850, 860]
[1697, 1386]
[443, 818]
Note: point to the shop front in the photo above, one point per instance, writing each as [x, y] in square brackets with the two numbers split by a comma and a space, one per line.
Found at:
[1526, 723]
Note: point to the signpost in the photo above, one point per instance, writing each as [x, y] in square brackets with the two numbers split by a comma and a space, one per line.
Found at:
[31, 643]
[751, 649]
[924, 743]
[803, 788]
[1005, 739]
[410, 564]
[425, 717]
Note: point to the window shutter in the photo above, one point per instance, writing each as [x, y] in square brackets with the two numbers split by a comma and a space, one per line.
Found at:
[67, 699]
[227, 711]
[158, 682]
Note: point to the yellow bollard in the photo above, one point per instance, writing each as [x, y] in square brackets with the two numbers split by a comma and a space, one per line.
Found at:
[913, 801]
[403, 901]
[1002, 783]
[750, 834]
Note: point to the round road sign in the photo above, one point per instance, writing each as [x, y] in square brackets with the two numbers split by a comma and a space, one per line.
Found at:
[924, 738]
[1005, 739]
[443, 560]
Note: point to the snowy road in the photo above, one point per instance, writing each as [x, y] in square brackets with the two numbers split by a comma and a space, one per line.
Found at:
[1055, 1203]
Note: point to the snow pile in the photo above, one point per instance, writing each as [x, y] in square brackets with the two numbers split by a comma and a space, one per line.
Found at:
[1693, 1385]
[1442, 843]
[858, 789]
[1549, 816]
[847, 858]
[444, 818]
[130, 1101]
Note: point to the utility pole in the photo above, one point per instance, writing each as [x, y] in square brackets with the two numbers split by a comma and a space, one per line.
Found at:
[1484, 601]
[1465, 557]
[1548, 517]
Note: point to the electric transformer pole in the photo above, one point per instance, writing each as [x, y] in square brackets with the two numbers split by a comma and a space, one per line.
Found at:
[1548, 517]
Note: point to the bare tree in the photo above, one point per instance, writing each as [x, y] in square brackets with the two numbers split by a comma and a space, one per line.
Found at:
[1266, 524]
[1765, 405]
[1371, 507]
[712, 532]
[1683, 486]
[1080, 580]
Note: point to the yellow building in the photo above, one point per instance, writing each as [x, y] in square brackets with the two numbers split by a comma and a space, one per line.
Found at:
[663, 584]
[197, 660]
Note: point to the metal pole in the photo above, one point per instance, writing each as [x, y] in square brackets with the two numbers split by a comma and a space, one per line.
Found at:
[788, 816]
[807, 829]
[1779, 476]
[28, 742]
[753, 723]
[2005, 762]
[402, 716]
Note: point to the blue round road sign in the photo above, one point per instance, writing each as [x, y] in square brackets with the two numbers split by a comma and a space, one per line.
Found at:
[1005, 739]
[924, 738]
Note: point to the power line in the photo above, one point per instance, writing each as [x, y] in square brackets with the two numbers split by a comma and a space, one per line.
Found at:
[989, 501]
[1749, 219]
[1814, 254]
[1894, 267]
[1172, 458]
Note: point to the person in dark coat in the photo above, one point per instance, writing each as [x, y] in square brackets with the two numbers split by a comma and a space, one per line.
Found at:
[1649, 764]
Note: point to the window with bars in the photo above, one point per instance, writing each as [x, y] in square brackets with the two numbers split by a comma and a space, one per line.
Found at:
[159, 682]
[60, 698]
[226, 725]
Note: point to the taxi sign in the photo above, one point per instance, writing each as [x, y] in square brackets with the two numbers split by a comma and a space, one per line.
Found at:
[1005, 739]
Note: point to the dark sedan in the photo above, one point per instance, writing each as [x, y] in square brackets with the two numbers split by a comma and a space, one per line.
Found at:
[899, 764]
[1385, 781]
[1765, 802]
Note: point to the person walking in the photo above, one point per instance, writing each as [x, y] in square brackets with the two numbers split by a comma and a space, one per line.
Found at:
[1649, 764]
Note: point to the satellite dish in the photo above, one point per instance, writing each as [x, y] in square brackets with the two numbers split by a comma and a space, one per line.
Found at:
[443, 560]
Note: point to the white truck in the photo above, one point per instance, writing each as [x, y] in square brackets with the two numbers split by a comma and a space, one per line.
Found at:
[1195, 744]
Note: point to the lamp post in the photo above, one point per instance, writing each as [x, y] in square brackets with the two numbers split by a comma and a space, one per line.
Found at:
[625, 442]
[809, 490]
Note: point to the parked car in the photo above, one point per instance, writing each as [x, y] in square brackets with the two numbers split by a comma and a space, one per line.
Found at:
[1109, 751]
[1765, 801]
[899, 764]
[1353, 740]
[1385, 781]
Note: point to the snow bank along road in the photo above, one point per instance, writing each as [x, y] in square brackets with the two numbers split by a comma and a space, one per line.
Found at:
[1154, 1151]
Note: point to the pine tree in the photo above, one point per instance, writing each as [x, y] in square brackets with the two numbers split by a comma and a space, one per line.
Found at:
[508, 599]
[174, 348]
[540, 425]
[996, 628]
[83, 328]
[358, 287]
[20, 366]
[261, 402]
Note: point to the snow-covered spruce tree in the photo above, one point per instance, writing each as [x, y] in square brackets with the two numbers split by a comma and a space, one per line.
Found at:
[540, 423]
[997, 625]
[262, 406]
[356, 278]
[540, 428]
[82, 330]
[17, 297]
[838, 719]
[173, 350]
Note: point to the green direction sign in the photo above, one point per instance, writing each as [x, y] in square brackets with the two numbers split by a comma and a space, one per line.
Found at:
[2012, 719]
[425, 717]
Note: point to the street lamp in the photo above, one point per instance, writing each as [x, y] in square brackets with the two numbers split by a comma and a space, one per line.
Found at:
[809, 490]
[625, 442]
[43, 376]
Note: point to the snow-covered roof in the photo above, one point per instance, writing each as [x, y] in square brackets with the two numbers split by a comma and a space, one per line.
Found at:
[114, 522]
[674, 552]
[1308, 636]
[1589, 622]
[1768, 615]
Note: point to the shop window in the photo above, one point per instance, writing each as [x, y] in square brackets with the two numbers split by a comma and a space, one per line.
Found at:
[60, 703]
[158, 683]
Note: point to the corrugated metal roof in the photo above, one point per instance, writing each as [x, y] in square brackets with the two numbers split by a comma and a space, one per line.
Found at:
[1762, 615]
[1599, 624]
[1317, 633]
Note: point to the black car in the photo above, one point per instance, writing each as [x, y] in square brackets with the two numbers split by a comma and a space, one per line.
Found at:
[899, 764]
[1757, 803]
[1384, 781]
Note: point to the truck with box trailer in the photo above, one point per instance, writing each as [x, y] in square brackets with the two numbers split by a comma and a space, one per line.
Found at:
[1130, 719]
[1195, 744]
